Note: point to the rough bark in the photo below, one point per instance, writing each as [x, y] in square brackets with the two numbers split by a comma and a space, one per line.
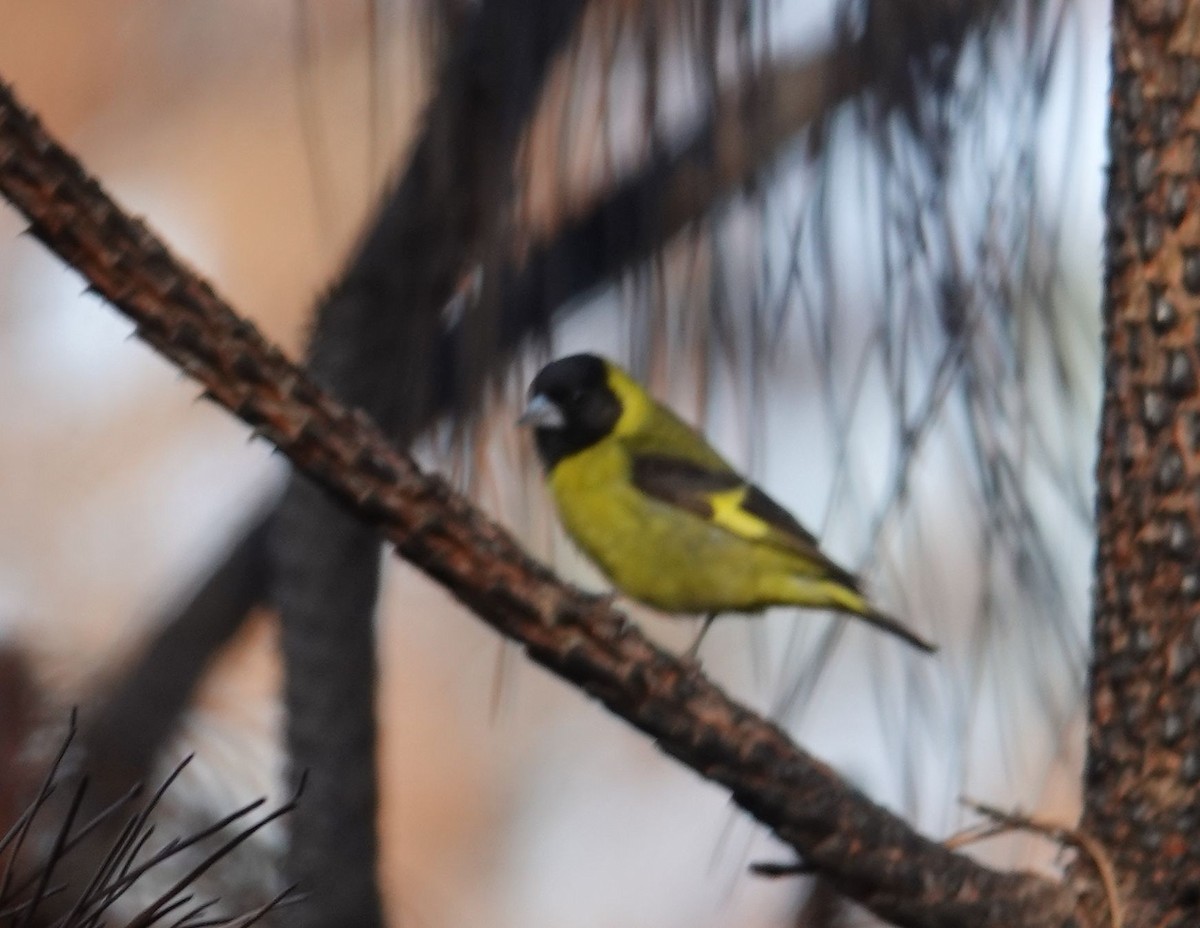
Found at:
[1142, 780]
[865, 851]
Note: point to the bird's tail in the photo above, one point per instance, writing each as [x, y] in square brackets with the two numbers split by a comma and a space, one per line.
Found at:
[849, 600]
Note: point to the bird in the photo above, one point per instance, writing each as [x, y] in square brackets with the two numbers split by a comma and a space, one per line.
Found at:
[668, 520]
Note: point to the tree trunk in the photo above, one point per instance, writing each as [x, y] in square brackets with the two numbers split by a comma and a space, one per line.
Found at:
[1143, 763]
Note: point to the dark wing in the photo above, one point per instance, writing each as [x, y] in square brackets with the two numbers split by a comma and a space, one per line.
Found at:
[681, 483]
[724, 498]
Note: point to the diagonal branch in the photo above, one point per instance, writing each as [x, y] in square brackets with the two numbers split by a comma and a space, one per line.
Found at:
[865, 851]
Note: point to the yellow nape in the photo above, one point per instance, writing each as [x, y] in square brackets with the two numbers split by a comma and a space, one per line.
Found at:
[636, 404]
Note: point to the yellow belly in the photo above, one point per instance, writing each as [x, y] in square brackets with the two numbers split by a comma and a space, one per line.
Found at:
[665, 556]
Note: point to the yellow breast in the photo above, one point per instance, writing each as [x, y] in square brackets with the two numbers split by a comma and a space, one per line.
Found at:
[657, 553]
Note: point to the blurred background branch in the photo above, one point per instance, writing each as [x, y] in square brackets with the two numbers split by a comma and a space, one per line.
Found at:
[370, 345]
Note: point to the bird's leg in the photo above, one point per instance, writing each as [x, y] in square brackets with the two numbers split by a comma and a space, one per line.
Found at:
[694, 650]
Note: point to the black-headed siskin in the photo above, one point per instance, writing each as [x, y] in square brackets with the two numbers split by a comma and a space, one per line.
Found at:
[663, 515]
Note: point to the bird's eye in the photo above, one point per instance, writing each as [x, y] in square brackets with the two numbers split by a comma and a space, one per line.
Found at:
[575, 398]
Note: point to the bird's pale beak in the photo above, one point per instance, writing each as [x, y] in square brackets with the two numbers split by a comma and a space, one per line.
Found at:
[542, 413]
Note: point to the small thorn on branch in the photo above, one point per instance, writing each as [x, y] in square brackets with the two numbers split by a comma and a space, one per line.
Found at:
[772, 870]
[1002, 822]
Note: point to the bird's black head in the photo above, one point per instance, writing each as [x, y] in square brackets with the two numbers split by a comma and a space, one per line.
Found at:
[571, 406]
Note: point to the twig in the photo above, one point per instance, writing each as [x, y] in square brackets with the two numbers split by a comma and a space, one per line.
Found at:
[1004, 822]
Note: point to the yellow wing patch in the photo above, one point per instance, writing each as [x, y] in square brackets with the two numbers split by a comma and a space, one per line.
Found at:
[728, 513]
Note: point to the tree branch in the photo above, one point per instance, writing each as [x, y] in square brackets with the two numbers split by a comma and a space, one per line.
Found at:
[865, 851]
